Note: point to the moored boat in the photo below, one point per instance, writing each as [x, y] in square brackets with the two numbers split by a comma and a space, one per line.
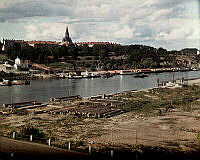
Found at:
[126, 72]
[141, 76]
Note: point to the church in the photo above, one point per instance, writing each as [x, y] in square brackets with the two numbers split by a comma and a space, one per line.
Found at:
[67, 37]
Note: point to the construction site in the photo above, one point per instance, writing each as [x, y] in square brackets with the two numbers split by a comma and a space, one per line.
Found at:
[73, 105]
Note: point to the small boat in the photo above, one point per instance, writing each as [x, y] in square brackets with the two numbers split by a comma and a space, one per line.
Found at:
[26, 82]
[141, 76]
[74, 77]
[107, 75]
[126, 72]
[91, 75]
[7, 82]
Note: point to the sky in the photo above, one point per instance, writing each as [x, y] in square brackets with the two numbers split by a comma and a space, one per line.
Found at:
[171, 24]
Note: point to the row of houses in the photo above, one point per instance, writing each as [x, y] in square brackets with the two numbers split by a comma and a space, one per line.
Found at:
[7, 43]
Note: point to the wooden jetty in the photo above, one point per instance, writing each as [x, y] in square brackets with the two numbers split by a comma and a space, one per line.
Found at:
[18, 105]
[65, 98]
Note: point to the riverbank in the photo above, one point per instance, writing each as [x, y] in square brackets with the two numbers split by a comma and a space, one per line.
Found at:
[158, 117]
[16, 75]
[110, 73]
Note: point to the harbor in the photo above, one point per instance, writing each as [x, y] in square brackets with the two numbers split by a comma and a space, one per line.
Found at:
[110, 73]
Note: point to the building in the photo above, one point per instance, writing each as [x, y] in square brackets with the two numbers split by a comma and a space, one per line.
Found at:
[67, 37]
[17, 63]
[6, 67]
[42, 43]
[1, 47]
[91, 44]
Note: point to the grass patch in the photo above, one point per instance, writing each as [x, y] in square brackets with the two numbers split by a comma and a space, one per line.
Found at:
[20, 112]
[58, 64]
[145, 102]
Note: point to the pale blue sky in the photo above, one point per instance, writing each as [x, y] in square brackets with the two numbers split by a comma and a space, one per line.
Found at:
[171, 24]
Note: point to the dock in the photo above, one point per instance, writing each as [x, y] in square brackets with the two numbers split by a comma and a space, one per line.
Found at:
[59, 99]
[18, 105]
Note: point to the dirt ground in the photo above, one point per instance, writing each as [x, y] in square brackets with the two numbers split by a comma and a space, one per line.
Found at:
[13, 149]
[175, 128]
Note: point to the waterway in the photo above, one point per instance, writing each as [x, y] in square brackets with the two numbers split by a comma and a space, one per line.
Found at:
[43, 90]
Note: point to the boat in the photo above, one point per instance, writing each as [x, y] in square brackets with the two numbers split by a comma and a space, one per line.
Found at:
[195, 69]
[7, 82]
[91, 75]
[26, 82]
[126, 72]
[107, 75]
[75, 77]
[185, 69]
[141, 76]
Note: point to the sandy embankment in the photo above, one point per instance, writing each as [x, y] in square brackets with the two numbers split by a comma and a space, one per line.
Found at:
[193, 81]
[22, 150]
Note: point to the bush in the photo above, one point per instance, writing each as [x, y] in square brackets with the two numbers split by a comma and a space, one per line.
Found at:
[198, 137]
[37, 133]
[20, 112]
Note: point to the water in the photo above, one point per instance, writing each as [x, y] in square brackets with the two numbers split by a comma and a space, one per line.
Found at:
[43, 90]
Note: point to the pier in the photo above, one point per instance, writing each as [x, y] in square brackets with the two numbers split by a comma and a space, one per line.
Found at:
[58, 99]
[18, 105]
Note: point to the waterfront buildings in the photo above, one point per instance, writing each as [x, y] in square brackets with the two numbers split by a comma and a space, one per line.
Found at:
[17, 66]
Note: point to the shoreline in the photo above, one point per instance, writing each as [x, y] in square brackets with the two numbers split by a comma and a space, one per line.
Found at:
[101, 73]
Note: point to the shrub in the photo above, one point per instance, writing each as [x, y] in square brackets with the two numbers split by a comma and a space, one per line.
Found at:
[198, 137]
[37, 133]
[20, 112]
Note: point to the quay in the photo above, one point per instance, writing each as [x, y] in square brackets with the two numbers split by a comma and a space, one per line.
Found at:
[110, 73]
[146, 70]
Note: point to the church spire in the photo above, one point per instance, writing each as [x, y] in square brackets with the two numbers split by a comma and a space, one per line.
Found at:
[67, 32]
[67, 37]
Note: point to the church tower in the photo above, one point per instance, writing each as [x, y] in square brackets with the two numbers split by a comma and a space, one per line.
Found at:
[67, 37]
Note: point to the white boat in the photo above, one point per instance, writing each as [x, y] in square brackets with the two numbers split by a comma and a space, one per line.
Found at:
[126, 72]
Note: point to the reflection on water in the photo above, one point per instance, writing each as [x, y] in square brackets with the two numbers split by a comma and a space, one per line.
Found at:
[43, 90]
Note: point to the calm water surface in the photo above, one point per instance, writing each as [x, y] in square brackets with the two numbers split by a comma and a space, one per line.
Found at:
[43, 90]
